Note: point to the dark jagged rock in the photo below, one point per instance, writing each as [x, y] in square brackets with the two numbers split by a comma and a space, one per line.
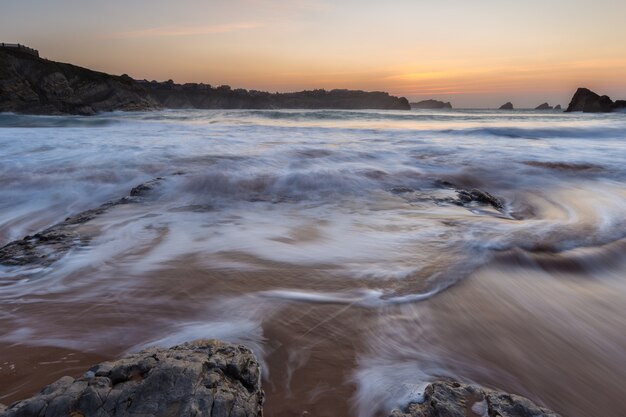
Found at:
[468, 196]
[544, 106]
[202, 96]
[558, 107]
[48, 246]
[452, 399]
[431, 104]
[587, 101]
[205, 378]
[507, 106]
[29, 84]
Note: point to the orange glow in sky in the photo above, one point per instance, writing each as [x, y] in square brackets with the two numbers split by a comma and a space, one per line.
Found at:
[477, 53]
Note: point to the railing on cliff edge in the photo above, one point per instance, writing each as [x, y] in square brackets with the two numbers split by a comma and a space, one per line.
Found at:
[19, 47]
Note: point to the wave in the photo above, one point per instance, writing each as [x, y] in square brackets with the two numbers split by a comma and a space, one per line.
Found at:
[36, 121]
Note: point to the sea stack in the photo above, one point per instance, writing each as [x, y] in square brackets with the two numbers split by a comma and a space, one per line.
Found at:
[431, 104]
[544, 106]
[558, 107]
[587, 101]
[507, 106]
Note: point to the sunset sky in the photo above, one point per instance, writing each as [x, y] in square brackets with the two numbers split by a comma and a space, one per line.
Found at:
[475, 53]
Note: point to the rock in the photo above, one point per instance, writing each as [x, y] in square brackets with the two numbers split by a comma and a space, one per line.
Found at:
[475, 195]
[203, 378]
[544, 106]
[452, 399]
[49, 245]
[507, 106]
[29, 84]
[558, 107]
[201, 96]
[587, 101]
[431, 104]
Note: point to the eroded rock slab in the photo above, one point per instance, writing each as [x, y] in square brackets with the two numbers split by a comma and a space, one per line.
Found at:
[453, 399]
[483, 197]
[48, 246]
[205, 378]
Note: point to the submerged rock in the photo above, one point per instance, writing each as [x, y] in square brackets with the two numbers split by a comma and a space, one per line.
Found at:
[453, 399]
[544, 106]
[205, 378]
[507, 106]
[431, 104]
[49, 245]
[475, 195]
[587, 101]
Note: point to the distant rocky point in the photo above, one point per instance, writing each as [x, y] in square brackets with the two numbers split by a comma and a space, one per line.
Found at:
[507, 106]
[544, 106]
[431, 104]
[587, 101]
[558, 107]
[29, 84]
[203, 96]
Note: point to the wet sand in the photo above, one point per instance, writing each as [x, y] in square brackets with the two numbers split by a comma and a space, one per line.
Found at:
[513, 325]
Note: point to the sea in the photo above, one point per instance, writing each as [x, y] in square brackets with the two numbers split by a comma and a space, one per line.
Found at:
[334, 244]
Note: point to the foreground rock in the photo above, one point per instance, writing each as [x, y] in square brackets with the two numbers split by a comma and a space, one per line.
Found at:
[431, 104]
[205, 378]
[452, 399]
[507, 106]
[544, 106]
[587, 101]
[29, 84]
[49, 245]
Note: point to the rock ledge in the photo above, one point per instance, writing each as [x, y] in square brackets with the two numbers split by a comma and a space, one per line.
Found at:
[453, 399]
[205, 378]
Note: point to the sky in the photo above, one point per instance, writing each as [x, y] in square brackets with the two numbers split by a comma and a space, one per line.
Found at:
[474, 53]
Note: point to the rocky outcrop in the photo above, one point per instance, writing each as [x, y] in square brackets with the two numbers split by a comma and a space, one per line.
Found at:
[558, 107]
[205, 378]
[210, 378]
[544, 106]
[507, 106]
[29, 84]
[452, 399]
[465, 197]
[587, 101]
[202, 96]
[49, 245]
[431, 104]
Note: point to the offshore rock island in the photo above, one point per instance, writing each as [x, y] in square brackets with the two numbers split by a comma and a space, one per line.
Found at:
[29, 84]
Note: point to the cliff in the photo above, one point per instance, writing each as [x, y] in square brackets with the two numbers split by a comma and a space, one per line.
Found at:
[29, 84]
[431, 104]
[587, 101]
[202, 96]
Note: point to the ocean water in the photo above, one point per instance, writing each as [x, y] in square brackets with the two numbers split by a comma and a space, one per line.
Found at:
[329, 242]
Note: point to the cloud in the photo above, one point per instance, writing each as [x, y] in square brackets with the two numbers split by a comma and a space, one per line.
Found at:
[173, 31]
